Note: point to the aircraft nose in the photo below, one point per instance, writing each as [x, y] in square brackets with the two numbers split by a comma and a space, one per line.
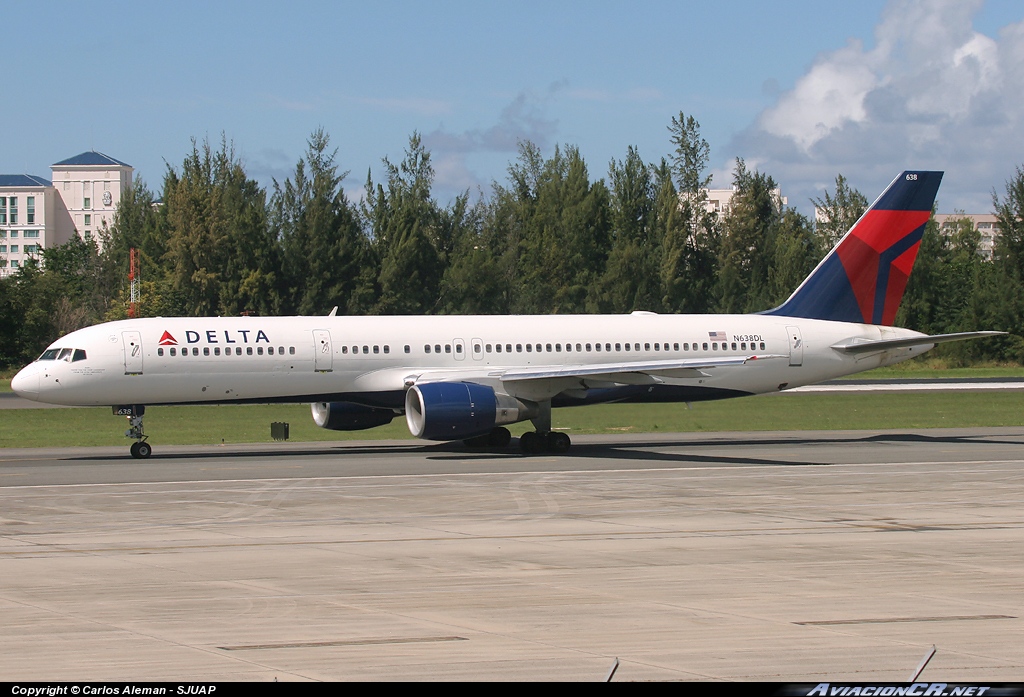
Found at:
[26, 383]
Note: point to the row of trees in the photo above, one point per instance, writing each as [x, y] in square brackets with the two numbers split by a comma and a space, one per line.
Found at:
[549, 239]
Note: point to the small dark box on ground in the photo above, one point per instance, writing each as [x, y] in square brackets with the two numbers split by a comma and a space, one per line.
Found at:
[279, 430]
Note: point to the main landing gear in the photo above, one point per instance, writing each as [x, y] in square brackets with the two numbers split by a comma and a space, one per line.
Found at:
[140, 449]
[543, 440]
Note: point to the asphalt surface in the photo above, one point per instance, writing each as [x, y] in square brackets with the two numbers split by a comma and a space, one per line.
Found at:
[794, 557]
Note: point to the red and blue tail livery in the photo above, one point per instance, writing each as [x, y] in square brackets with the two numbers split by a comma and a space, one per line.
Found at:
[863, 278]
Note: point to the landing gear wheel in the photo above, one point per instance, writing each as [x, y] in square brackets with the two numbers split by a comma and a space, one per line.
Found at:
[499, 437]
[141, 450]
[533, 443]
[558, 442]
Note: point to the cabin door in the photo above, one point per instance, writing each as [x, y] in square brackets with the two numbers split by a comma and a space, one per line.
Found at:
[323, 359]
[132, 352]
[796, 346]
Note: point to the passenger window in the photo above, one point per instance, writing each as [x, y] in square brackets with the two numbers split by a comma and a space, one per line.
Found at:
[270, 350]
[238, 350]
[529, 347]
[280, 350]
[366, 349]
[548, 348]
[458, 348]
[579, 347]
[426, 348]
[437, 348]
[344, 350]
[216, 350]
[497, 348]
[597, 347]
[705, 345]
[376, 349]
[568, 348]
[159, 352]
[607, 347]
[539, 348]
[407, 349]
[487, 348]
[734, 346]
[657, 347]
[762, 346]
[259, 350]
[686, 347]
[588, 347]
[206, 350]
[519, 348]
[714, 346]
[387, 349]
[743, 346]
[647, 347]
[291, 350]
[173, 352]
[195, 350]
[447, 348]
[618, 347]
[248, 350]
[508, 348]
[675, 347]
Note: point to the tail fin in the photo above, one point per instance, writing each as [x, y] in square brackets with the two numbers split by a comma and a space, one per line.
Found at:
[863, 278]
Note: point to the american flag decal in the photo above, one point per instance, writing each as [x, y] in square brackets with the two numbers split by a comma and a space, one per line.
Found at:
[716, 336]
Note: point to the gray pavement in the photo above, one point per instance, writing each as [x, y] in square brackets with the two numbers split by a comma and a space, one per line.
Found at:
[764, 556]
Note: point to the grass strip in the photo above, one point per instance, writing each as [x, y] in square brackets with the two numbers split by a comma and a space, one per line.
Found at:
[197, 425]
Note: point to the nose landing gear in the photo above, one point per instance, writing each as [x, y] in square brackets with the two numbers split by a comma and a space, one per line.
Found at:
[140, 449]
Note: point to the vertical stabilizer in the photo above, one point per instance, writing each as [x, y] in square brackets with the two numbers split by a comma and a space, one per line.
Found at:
[863, 278]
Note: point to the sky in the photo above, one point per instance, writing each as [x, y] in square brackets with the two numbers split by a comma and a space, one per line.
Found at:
[801, 90]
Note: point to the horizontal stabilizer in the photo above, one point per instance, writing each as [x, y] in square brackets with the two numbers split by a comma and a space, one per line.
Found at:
[856, 346]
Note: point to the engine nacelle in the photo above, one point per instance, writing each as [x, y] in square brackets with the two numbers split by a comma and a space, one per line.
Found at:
[456, 410]
[345, 416]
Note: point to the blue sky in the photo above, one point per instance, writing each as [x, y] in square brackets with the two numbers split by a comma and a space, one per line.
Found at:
[801, 90]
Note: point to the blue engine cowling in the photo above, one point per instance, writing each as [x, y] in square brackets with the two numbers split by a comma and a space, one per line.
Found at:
[346, 416]
[450, 410]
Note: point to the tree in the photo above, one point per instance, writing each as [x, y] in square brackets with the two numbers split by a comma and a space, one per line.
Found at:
[631, 280]
[325, 253]
[837, 214]
[689, 233]
[749, 243]
[404, 223]
[222, 256]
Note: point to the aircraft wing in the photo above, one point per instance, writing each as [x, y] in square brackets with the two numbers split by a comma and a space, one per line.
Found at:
[856, 346]
[623, 372]
[689, 367]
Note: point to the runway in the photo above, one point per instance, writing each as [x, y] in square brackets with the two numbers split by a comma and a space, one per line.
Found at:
[797, 557]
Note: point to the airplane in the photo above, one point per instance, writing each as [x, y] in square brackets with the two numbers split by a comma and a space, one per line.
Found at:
[468, 377]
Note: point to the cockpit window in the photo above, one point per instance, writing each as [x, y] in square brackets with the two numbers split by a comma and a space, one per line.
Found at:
[79, 355]
[49, 355]
[65, 355]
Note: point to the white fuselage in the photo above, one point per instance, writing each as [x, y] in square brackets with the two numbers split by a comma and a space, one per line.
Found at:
[373, 360]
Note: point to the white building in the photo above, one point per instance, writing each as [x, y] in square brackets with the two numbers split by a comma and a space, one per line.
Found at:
[36, 213]
[720, 200]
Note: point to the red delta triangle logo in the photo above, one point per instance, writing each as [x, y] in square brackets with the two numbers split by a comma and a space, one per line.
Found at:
[168, 340]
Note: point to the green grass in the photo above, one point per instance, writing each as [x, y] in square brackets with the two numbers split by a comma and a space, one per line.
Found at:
[29, 428]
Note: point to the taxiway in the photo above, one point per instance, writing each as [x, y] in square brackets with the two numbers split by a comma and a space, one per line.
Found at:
[792, 557]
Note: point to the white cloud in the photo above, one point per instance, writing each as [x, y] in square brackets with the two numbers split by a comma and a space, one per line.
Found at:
[930, 93]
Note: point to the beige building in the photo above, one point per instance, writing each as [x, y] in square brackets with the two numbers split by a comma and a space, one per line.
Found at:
[37, 213]
[985, 223]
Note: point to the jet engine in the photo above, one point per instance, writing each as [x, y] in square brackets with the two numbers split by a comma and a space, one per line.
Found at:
[346, 416]
[459, 410]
